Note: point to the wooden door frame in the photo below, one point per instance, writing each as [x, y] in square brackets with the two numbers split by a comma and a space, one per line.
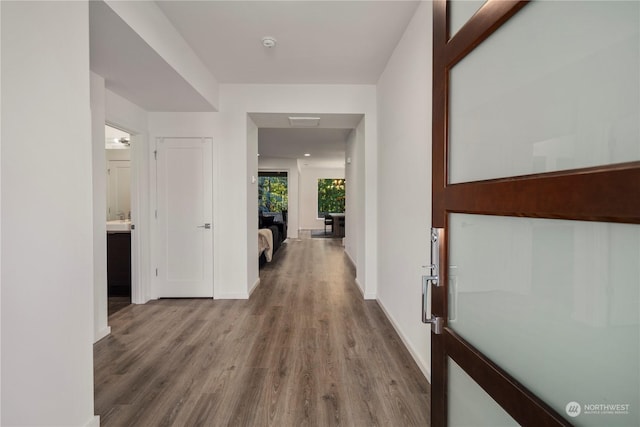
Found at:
[555, 195]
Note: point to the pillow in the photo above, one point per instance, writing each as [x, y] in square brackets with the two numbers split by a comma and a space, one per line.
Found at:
[266, 221]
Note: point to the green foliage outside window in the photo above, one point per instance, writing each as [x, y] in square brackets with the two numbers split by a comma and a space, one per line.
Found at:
[331, 196]
[272, 193]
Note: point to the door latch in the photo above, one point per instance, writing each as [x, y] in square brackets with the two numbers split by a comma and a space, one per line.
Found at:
[434, 278]
[437, 323]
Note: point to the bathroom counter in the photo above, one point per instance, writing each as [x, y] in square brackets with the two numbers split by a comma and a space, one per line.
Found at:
[119, 226]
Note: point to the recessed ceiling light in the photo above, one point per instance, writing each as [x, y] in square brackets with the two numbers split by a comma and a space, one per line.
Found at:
[307, 155]
[304, 122]
[269, 42]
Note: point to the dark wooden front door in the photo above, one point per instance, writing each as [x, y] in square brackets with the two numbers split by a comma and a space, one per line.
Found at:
[536, 201]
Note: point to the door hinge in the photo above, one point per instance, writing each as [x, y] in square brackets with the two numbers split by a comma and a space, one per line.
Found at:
[156, 272]
[155, 154]
[156, 213]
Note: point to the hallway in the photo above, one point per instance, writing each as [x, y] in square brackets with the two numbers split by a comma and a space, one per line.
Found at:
[305, 349]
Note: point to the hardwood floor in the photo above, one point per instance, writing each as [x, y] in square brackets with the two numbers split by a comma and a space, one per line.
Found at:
[115, 304]
[304, 350]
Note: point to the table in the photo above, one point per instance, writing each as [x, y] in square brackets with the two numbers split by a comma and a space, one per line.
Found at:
[338, 227]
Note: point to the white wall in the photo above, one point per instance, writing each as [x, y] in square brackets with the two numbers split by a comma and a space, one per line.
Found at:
[47, 246]
[309, 195]
[235, 152]
[237, 101]
[355, 204]
[116, 154]
[124, 114]
[404, 177]
[291, 167]
[252, 204]
[100, 298]
[0, 225]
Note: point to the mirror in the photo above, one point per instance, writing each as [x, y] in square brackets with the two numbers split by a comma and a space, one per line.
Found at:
[118, 169]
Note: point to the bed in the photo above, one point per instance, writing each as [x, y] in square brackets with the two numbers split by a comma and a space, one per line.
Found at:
[265, 243]
[271, 234]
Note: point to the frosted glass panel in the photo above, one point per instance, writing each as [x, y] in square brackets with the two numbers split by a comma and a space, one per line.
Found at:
[555, 88]
[460, 11]
[469, 405]
[554, 303]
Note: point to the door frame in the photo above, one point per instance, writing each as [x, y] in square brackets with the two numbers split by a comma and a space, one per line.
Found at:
[281, 170]
[137, 149]
[541, 196]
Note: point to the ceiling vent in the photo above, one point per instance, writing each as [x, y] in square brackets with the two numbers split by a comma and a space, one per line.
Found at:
[304, 122]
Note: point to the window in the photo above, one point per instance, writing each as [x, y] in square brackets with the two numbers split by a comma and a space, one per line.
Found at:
[330, 196]
[272, 191]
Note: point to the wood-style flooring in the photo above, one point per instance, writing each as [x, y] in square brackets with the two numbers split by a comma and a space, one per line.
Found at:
[115, 304]
[304, 350]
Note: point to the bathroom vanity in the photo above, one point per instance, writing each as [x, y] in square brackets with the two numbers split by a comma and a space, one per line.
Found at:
[119, 258]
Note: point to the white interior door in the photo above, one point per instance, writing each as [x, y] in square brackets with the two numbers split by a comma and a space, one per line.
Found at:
[184, 217]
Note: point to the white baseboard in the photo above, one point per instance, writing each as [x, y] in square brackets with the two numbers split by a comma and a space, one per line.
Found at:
[231, 295]
[360, 288]
[101, 334]
[365, 295]
[93, 422]
[350, 259]
[422, 364]
[255, 285]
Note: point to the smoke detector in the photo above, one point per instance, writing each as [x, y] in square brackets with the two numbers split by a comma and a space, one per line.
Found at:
[269, 42]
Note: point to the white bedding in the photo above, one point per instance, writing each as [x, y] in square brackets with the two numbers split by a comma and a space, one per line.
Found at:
[265, 243]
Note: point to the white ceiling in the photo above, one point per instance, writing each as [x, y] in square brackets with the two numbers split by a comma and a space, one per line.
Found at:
[327, 121]
[319, 42]
[326, 146]
[132, 69]
[326, 143]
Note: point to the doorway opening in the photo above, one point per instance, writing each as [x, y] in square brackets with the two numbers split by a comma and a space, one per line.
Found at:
[118, 194]
[331, 149]
[331, 203]
[273, 213]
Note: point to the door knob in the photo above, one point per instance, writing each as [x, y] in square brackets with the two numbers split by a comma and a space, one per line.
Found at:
[207, 226]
